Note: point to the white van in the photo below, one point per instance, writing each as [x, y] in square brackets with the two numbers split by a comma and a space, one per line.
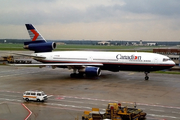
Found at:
[35, 96]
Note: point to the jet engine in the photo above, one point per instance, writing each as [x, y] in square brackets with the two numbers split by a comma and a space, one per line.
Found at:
[91, 71]
[41, 47]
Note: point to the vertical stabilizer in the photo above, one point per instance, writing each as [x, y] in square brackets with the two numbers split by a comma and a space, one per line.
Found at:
[34, 34]
[37, 43]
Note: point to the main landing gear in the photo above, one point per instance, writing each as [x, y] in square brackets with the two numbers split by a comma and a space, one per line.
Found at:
[76, 75]
[146, 75]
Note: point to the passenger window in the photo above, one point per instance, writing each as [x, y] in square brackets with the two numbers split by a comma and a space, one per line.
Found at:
[38, 94]
[33, 93]
[27, 93]
[42, 93]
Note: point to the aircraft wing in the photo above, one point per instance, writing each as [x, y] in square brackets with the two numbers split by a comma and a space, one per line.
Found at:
[28, 55]
[69, 65]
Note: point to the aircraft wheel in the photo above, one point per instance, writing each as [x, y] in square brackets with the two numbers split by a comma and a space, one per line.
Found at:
[73, 75]
[146, 78]
[80, 75]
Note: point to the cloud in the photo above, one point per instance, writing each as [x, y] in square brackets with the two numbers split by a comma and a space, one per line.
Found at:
[115, 19]
[158, 7]
[69, 11]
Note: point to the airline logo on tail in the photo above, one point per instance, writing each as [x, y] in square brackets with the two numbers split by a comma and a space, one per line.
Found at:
[33, 33]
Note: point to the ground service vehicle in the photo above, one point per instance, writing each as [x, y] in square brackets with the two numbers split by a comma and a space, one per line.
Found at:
[15, 59]
[114, 111]
[34, 96]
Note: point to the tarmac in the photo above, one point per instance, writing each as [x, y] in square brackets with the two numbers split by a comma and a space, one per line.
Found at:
[69, 97]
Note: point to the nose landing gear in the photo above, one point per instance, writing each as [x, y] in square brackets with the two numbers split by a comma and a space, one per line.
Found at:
[146, 75]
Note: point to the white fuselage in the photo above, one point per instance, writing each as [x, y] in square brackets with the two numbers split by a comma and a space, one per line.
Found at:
[109, 59]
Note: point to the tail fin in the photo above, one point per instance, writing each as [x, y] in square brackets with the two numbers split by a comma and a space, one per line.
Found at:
[37, 43]
[34, 34]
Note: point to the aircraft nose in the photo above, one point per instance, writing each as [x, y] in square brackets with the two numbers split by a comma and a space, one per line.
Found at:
[173, 63]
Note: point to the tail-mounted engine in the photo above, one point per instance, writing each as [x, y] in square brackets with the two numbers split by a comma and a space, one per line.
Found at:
[40, 46]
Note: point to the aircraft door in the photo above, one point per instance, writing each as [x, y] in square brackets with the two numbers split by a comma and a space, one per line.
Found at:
[90, 59]
[156, 61]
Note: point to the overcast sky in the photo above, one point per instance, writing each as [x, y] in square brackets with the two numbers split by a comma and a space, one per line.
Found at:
[92, 19]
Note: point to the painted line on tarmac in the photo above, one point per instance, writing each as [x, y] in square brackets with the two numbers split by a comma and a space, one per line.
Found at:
[175, 112]
[143, 104]
[57, 107]
[154, 105]
[52, 105]
[166, 116]
[10, 91]
[64, 105]
[8, 71]
[104, 100]
[79, 108]
[132, 73]
[23, 73]
[154, 118]
[9, 95]
[49, 96]
[66, 100]
[27, 110]
[23, 106]
[17, 100]
[83, 98]
[157, 110]
[2, 102]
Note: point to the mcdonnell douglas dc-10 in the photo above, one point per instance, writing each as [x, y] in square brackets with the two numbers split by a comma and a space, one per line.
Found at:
[90, 63]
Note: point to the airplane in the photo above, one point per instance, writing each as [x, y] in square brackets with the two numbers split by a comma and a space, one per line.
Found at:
[90, 63]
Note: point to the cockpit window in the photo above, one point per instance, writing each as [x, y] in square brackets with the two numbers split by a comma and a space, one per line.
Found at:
[166, 59]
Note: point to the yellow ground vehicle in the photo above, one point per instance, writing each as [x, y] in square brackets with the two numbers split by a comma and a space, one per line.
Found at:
[11, 59]
[114, 111]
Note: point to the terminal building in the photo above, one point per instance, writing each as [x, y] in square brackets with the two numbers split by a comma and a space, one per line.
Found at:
[174, 54]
